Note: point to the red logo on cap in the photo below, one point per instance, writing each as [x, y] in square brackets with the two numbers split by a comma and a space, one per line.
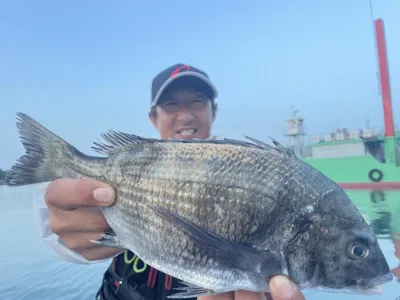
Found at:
[178, 70]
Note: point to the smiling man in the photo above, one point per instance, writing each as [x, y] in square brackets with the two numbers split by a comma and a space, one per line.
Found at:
[182, 107]
[183, 103]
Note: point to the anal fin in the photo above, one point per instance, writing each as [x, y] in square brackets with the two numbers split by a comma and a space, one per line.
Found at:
[108, 239]
[191, 291]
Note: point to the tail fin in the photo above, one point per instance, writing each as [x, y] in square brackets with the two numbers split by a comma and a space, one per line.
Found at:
[43, 153]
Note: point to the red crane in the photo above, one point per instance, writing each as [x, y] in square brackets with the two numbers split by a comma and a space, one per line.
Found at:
[384, 77]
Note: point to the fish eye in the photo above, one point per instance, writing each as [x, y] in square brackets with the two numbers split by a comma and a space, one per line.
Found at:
[358, 251]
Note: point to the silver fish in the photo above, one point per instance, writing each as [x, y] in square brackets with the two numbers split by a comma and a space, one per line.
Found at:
[220, 215]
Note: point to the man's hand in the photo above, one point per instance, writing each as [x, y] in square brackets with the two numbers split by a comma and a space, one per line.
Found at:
[75, 216]
[281, 288]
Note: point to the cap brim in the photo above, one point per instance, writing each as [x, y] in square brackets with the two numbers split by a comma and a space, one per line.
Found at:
[187, 74]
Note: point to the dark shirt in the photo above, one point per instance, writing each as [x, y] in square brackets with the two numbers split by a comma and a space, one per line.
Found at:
[129, 278]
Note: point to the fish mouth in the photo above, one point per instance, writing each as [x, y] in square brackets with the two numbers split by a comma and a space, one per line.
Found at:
[379, 280]
[372, 286]
[186, 132]
[359, 286]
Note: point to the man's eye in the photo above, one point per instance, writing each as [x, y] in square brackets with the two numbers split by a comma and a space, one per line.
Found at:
[199, 101]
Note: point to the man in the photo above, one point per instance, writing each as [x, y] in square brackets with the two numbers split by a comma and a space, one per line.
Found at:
[182, 106]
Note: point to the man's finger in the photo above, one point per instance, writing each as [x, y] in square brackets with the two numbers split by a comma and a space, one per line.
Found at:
[80, 242]
[246, 295]
[282, 288]
[224, 296]
[100, 253]
[76, 221]
[70, 194]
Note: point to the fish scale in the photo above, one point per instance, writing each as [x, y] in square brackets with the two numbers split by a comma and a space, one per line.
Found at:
[168, 236]
[145, 192]
[220, 215]
[204, 168]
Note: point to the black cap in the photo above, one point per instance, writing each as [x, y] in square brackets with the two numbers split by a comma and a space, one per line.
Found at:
[181, 75]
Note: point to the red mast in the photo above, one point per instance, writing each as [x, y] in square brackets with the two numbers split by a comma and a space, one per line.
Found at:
[384, 77]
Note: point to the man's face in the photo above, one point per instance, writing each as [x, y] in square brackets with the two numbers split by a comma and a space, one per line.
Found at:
[183, 114]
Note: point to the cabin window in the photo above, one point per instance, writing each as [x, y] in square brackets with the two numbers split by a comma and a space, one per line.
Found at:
[375, 148]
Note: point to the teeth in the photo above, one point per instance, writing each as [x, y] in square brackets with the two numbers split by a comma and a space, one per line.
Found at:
[186, 132]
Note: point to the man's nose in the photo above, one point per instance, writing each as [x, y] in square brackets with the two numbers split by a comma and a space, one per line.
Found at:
[185, 115]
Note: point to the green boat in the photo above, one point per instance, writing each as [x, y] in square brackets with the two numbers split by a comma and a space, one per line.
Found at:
[358, 159]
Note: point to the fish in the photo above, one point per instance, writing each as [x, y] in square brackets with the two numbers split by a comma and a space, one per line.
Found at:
[220, 215]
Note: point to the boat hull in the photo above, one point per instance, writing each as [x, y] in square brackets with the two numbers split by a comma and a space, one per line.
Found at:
[363, 172]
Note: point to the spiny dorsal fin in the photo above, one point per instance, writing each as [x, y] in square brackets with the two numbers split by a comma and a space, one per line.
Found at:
[279, 147]
[116, 140]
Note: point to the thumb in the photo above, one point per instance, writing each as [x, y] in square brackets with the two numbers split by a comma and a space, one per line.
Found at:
[281, 288]
[70, 194]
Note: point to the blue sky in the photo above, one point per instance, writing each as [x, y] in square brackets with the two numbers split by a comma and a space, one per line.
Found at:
[82, 67]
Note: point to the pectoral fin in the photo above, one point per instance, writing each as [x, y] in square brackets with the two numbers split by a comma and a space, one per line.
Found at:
[266, 263]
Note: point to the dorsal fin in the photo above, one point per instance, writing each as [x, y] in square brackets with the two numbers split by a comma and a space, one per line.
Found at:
[115, 140]
[278, 147]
